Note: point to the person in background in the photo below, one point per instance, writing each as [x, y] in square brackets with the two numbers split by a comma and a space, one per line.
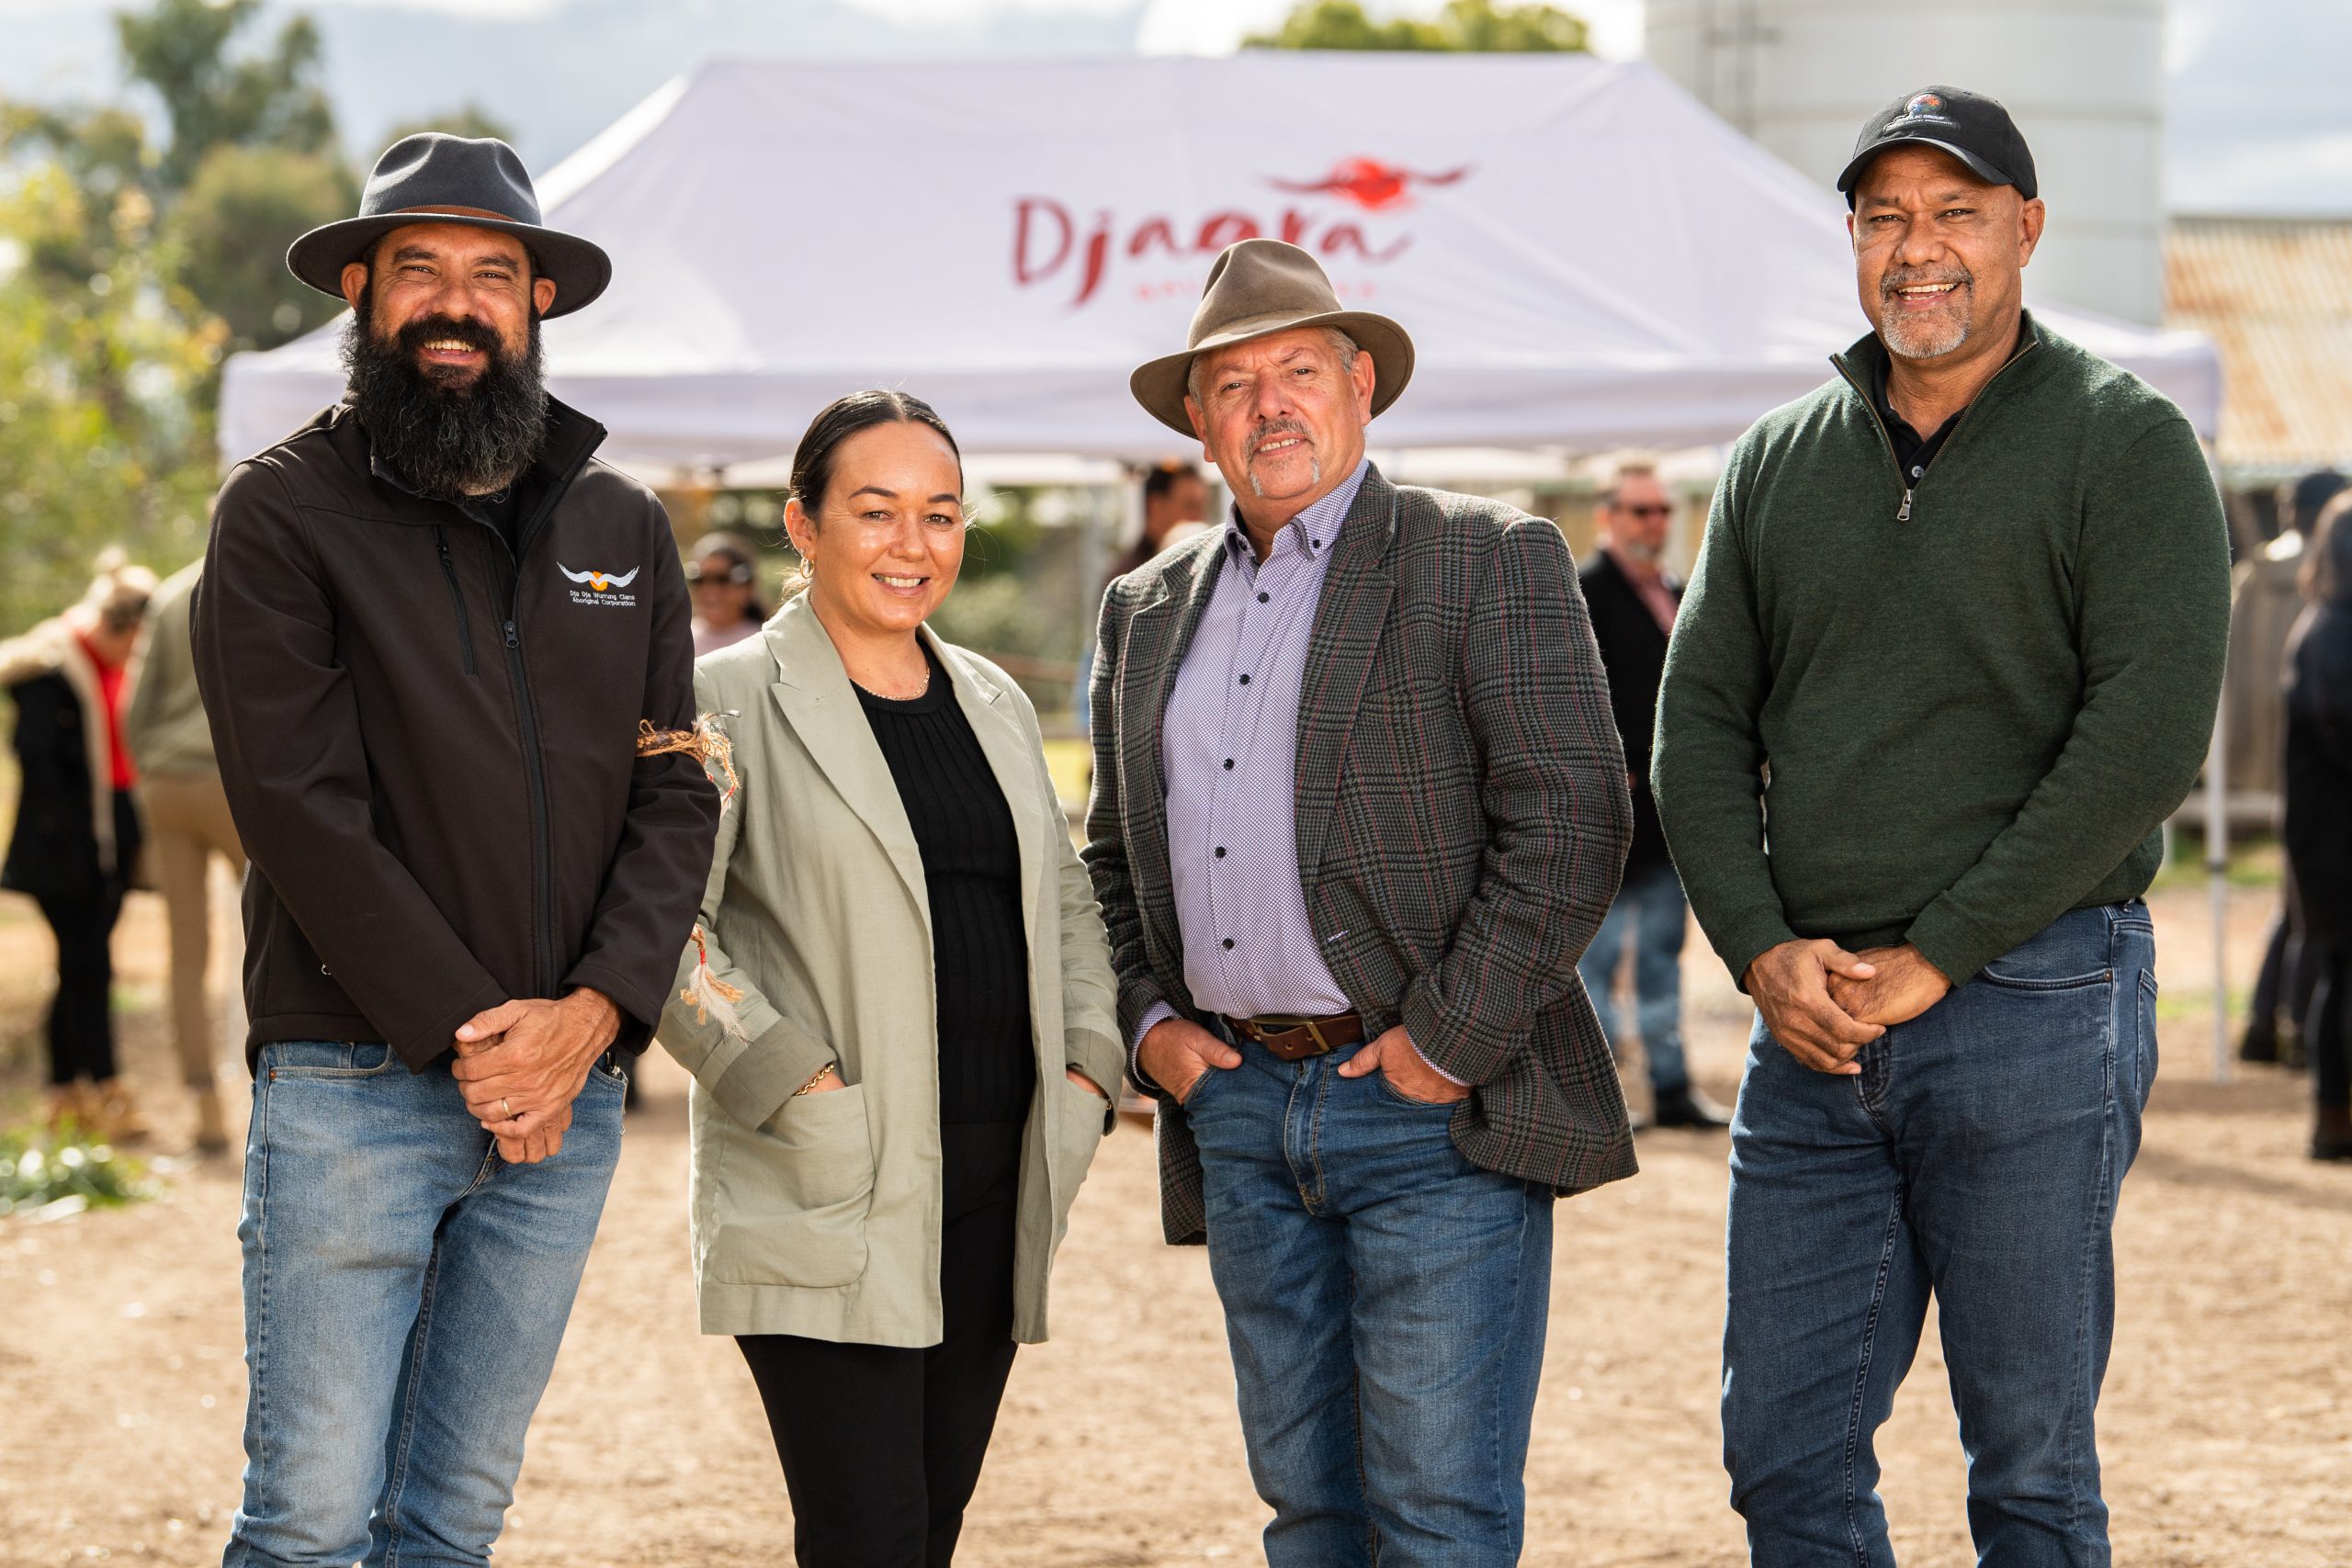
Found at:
[77, 833]
[187, 820]
[1175, 497]
[2319, 817]
[723, 574]
[1175, 507]
[1633, 600]
[2265, 598]
[1955, 636]
[896, 1102]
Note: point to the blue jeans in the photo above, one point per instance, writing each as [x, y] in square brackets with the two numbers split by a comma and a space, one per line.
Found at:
[1384, 1299]
[1651, 913]
[405, 1292]
[1979, 1156]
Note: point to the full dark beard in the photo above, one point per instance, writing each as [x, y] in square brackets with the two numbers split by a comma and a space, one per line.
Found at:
[447, 438]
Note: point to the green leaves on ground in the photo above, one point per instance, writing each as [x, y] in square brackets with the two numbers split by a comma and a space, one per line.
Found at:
[67, 1169]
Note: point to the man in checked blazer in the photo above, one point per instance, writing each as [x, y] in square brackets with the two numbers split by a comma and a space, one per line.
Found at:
[1359, 805]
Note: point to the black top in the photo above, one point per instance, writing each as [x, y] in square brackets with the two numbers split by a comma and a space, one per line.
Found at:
[53, 850]
[1633, 652]
[1913, 451]
[509, 509]
[971, 871]
[2318, 830]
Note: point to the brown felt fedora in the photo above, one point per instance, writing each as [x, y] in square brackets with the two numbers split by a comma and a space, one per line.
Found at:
[1259, 288]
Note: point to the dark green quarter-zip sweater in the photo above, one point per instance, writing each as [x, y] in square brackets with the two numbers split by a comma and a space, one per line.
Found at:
[1944, 712]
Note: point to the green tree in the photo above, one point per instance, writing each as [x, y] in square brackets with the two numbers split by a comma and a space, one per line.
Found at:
[465, 119]
[1479, 26]
[228, 229]
[105, 434]
[212, 95]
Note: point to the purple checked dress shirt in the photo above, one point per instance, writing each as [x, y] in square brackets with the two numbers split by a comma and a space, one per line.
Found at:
[1228, 749]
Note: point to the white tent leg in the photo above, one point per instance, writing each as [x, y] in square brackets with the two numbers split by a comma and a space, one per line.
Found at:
[2217, 877]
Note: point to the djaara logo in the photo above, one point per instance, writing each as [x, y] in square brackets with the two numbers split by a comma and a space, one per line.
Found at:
[1053, 242]
[603, 586]
[1371, 185]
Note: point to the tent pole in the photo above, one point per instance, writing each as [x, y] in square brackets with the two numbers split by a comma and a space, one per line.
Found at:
[2217, 850]
[2217, 880]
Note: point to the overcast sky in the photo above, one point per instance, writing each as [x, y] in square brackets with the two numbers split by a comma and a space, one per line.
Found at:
[2256, 116]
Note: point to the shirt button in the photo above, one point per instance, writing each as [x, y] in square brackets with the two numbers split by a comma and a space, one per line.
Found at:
[1220, 852]
[1228, 942]
[1264, 597]
[1245, 680]
[1228, 764]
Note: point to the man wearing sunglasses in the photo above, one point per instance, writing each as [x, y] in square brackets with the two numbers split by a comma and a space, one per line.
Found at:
[1633, 599]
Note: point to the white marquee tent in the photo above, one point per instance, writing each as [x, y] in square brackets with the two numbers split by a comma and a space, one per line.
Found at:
[1585, 258]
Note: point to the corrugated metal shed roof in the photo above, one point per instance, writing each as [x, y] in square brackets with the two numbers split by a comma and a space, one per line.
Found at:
[2276, 296]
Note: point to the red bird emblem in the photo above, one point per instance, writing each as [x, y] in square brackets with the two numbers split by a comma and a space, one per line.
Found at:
[1371, 185]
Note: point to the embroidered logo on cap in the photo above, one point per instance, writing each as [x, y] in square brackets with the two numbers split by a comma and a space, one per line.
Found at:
[1924, 106]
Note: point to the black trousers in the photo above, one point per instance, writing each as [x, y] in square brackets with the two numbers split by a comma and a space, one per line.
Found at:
[881, 1444]
[81, 1023]
[2327, 1025]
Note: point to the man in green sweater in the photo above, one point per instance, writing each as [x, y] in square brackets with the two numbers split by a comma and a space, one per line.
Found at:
[1949, 659]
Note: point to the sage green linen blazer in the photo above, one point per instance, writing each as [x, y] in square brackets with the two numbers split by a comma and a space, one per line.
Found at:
[821, 1215]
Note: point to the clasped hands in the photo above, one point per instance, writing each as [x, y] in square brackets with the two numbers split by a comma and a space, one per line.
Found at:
[522, 1064]
[1177, 1053]
[1824, 1004]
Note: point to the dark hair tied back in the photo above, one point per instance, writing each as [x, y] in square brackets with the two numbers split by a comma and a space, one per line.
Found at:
[812, 460]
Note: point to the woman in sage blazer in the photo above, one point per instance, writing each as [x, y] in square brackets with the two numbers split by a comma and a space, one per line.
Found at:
[890, 1121]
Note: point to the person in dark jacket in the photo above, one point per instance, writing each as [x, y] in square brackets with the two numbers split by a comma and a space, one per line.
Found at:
[2319, 817]
[76, 836]
[430, 630]
[1633, 600]
[2265, 600]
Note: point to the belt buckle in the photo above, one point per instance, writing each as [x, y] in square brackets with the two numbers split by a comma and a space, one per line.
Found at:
[1291, 1023]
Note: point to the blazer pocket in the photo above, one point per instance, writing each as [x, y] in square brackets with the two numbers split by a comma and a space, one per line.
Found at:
[1078, 1117]
[792, 1194]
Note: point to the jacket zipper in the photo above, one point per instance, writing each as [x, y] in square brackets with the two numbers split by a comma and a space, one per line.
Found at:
[1869, 404]
[456, 597]
[535, 765]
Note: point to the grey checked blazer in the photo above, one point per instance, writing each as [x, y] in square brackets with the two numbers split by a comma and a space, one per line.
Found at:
[1461, 810]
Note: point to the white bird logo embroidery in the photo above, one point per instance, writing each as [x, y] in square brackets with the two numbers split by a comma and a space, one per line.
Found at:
[600, 582]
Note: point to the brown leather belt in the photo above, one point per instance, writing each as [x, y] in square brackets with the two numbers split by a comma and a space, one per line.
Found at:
[1294, 1038]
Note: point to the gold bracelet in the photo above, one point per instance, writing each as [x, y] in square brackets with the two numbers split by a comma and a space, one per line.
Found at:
[821, 1074]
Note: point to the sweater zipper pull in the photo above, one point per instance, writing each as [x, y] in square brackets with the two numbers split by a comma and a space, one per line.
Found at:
[510, 635]
[1903, 513]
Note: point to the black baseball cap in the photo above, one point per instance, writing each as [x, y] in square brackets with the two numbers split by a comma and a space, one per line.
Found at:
[1971, 126]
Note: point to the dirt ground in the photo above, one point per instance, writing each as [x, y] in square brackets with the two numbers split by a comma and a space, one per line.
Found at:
[2227, 1422]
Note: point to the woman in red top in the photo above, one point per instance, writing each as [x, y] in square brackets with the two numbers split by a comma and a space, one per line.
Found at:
[76, 835]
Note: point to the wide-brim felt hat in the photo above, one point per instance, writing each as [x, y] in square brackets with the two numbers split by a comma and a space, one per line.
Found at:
[1256, 288]
[436, 178]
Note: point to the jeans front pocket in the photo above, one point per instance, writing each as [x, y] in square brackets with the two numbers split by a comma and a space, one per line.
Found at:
[1394, 1096]
[325, 1059]
[793, 1194]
